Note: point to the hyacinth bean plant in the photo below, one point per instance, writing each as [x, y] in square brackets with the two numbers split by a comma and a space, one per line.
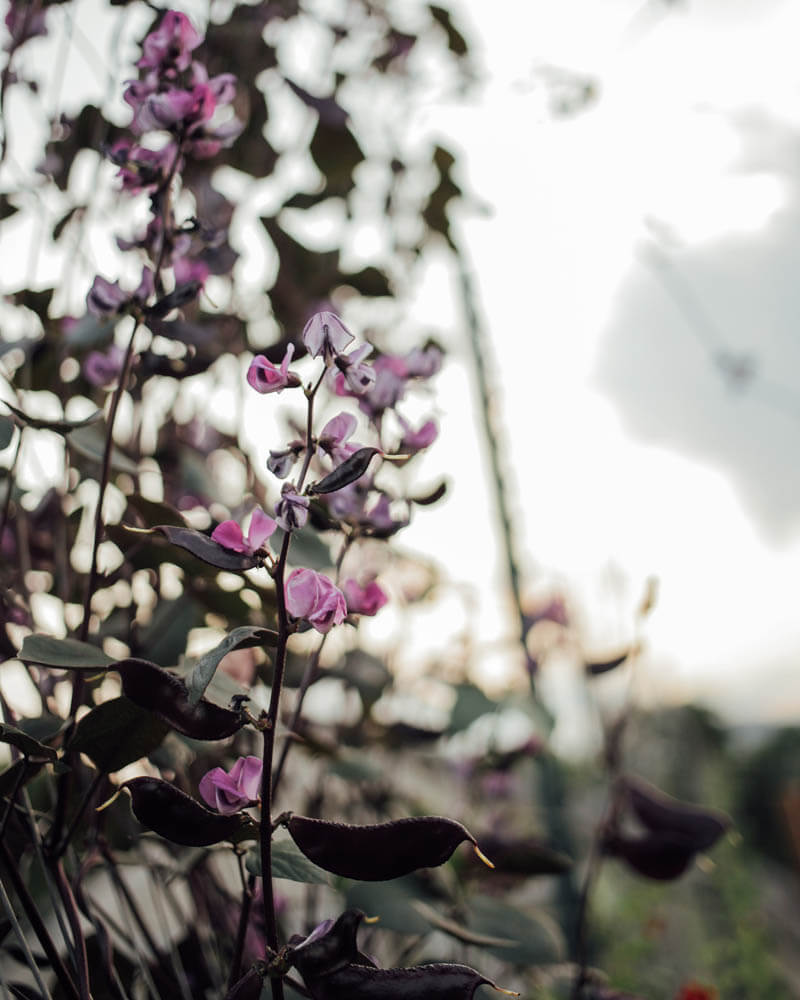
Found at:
[202, 774]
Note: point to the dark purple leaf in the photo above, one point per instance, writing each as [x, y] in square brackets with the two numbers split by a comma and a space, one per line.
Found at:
[26, 744]
[161, 807]
[661, 813]
[351, 469]
[381, 852]
[603, 666]
[165, 695]
[175, 299]
[525, 856]
[117, 733]
[205, 548]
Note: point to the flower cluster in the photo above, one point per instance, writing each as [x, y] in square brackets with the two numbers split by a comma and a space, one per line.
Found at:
[348, 490]
[178, 112]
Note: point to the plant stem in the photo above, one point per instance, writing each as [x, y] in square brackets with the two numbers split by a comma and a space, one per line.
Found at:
[279, 573]
[266, 768]
[38, 925]
[309, 675]
[248, 889]
[79, 949]
[59, 849]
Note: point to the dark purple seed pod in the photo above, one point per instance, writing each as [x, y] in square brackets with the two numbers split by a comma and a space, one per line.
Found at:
[661, 856]
[178, 817]
[380, 852]
[660, 813]
[332, 945]
[351, 469]
[165, 695]
[425, 982]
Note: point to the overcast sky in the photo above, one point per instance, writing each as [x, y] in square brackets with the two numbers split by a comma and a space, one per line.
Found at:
[639, 278]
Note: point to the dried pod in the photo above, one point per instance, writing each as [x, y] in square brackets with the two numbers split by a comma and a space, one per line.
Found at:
[165, 695]
[660, 813]
[172, 814]
[381, 852]
[351, 469]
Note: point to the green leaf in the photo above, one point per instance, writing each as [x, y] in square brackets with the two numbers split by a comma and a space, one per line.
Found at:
[117, 733]
[287, 862]
[21, 771]
[6, 431]
[91, 441]
[27, 745]
[537, 938]
[393, 902]
[154, 512]
[68, 654]
[471, 704]
[59, 426]
[240, 638]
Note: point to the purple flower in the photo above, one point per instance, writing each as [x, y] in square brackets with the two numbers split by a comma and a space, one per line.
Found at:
[106, 298]
[333, 439]
[228, 793]
[23, 22]
[325, 334]
[414, 441]
[358, 377]
[291, 511]
[366, 600]
[280, 463]
[170, 44]
[229, 534]
[103, 369]
[312, 596]
[265, 377]
[142, 169]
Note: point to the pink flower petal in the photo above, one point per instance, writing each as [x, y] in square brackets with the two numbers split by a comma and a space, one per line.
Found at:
[261, 527]
[230, 535]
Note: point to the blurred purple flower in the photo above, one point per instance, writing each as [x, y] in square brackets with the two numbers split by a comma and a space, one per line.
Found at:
[414, 441]
[229, 534]
[228, 793]
[106, 298]
[265, 377]
[104, 369]
[358, 376]
[23, 21]
[312, 596]
[366, 600]
[171, 44]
